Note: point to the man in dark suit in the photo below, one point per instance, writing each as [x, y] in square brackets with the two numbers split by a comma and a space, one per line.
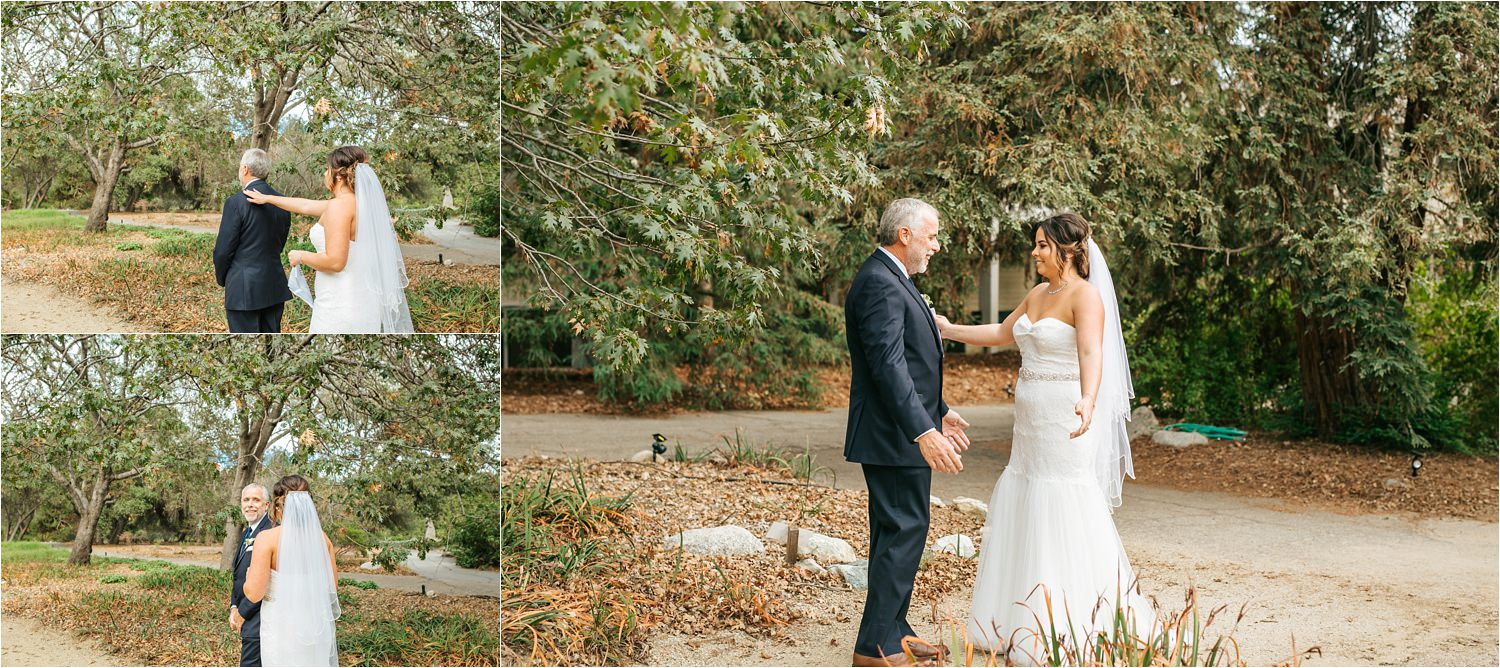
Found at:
[247, 253]
[900, 429]
[244, 615]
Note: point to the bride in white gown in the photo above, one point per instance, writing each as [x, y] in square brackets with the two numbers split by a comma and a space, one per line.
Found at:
[294, 576]
[1049, 552]
[361, 277]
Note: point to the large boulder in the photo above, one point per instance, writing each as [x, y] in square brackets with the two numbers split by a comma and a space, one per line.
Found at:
[958, 544]
[970, 506]
[1179, 439]
[1142, 421]
[856, 574]
[935, 501]
[724, 541]
[826, 549]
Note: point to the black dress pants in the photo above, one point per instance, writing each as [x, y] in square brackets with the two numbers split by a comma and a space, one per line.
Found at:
[899, 518]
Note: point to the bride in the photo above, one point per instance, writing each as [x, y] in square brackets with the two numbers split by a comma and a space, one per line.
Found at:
[361, 277]
[294, 575]
[1050, 553]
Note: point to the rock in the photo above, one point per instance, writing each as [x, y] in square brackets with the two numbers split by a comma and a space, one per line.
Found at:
[727, 541]
[936, 501]
[1393, 484]
[369, 566]
[856, 574]
[958, 544]
[825, 549]
[777, 532]
[1179, 439]
[1142, 421]
[647, 455]
[973, 507]
[811, 565]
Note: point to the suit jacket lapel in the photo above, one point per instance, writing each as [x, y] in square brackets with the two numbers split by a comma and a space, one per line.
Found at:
[911, 289]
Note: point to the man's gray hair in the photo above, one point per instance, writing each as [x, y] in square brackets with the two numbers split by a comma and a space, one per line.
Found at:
[906, 212]
[264, 493]
[258, 161]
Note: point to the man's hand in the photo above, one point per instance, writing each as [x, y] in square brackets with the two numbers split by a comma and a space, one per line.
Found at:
[235, 620]
[940, 453]
[953, 427]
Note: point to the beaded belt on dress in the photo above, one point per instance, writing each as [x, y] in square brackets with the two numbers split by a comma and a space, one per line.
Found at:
[1028, 374]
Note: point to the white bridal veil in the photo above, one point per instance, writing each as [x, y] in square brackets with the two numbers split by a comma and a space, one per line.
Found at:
[305, 591]
[380, 264]
[1112, 407]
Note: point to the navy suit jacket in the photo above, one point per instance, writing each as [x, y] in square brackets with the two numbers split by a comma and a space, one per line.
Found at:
[896, 388]
[248, 609]
[247, 252]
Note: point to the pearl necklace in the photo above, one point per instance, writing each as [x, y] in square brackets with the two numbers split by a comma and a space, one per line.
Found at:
[1059, 288]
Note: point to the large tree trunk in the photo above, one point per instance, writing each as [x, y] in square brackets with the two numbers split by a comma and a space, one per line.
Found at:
[106, 174]
[255, 435]
[88, 521]
[1330, 387]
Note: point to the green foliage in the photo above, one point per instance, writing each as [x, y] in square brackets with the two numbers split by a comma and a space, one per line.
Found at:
[114, 578]
[129, 246]
[465, 640]
[474, 540]
[710, 132]
[360, 584]
[483, 209]
[554, 530]
[1454, 313]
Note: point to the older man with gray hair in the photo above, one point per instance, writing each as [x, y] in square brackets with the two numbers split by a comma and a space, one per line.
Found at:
[247, 253]
[900, 430]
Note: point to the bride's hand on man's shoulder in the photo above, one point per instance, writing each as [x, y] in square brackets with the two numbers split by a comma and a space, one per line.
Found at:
[942, 323]
[256, 196]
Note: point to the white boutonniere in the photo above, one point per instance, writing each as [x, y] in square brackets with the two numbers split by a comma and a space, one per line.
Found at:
[927, 299]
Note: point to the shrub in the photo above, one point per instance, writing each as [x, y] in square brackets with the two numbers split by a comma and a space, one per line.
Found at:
[475, 539]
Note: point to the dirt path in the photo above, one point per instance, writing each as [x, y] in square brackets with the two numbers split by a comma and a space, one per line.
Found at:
[25, 642]
[1391, 589]
[33, 308]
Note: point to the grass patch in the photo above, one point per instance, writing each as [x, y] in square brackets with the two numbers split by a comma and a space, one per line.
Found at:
[361, 584]
[113, 578]
[420, 638]
[12, 552]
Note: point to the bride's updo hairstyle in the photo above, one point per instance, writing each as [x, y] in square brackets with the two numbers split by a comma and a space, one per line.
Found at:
[341, 164]
[283, 487]
[1069, 234]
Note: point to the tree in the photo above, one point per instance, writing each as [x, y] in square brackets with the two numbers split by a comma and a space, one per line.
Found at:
[660, 159]
[96, 75]
[1270, 173]
[90, 411]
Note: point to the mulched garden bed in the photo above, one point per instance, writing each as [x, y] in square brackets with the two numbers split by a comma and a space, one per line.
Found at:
[1345, 478]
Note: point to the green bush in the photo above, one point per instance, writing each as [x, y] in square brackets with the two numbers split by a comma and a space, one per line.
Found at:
[474, 541]
[361, 584]
[1454, 314]
[483, 209]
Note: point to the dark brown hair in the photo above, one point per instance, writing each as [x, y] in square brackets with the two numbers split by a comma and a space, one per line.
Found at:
[341, 164]
[1069, 234]
[283, 487]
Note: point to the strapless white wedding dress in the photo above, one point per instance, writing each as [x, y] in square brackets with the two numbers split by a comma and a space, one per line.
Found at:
[1049, 521]
[342, 303]
[282, 643]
